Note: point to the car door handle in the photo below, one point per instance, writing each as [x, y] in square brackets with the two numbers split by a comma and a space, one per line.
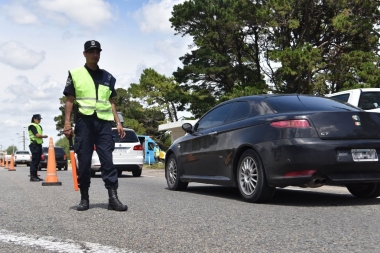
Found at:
[213, 133]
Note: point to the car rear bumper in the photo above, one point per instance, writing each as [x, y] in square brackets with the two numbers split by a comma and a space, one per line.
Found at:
[59, 164]
[283, 157]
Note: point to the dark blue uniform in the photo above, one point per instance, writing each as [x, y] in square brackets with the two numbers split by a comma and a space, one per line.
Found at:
[89, 131]
[36, 150]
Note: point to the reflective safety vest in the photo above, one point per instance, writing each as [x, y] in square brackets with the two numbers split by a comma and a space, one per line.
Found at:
[85, 93]
[32, 137]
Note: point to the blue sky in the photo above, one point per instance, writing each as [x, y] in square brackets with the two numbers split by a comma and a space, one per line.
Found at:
[42, 39]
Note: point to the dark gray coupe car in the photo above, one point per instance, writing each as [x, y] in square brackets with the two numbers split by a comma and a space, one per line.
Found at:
[261, 142]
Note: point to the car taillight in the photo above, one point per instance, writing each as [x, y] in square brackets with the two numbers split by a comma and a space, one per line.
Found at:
[64, 157]
[298, 123]
[300, 173]
[138, 147]
[94, 147]
[42, 157]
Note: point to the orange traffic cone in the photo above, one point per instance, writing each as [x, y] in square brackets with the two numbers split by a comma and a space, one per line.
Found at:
[12, 166]
[51, 171]
[6, 163]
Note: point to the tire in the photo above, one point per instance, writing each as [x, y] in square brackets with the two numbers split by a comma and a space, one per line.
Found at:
[371, 190]
[39, 167]
[136, 173]
[28, 164]
[15, 164]
[251, 179]
[119, 172]
[59, 168]
[65, 167]
[92, 173]
[172, 175]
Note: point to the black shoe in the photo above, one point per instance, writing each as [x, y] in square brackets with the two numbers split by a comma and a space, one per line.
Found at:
[84, 205]
[34, 179]
[114, 202]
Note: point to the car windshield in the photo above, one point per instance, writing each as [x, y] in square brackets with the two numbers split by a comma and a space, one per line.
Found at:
[130, 136]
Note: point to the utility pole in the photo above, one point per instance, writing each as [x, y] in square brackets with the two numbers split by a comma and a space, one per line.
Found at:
[23, 138]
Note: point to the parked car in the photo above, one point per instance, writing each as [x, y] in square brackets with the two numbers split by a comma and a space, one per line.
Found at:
[367, 99]
[22, 157]
[261, 142]
[60, 158]
[127, 155]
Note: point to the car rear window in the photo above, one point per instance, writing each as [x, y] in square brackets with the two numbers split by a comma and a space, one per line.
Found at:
[57, 150]
[22, 152]
[369, 100]
[130, 136]
[301, 103]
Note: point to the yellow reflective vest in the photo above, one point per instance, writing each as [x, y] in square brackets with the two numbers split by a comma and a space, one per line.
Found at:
[32, 137]
[85, 93]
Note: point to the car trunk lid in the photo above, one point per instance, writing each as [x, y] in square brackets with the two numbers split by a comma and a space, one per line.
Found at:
[347, 125]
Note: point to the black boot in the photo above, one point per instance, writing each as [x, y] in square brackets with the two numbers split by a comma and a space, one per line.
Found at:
[84, 203]
[39, 179]
[113, 201]
[33, 177]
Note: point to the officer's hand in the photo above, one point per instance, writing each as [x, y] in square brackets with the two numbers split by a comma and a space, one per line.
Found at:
[120, 130]
[68, 131]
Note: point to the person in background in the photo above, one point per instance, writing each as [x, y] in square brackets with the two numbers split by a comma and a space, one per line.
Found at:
[36, 139]
[157, 153]
[93, 90]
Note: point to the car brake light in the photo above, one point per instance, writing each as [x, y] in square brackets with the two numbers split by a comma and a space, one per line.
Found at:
[94, 147]
[64, 157]
[42, 157]
[300, 173]
[298, 123]
[138, 147]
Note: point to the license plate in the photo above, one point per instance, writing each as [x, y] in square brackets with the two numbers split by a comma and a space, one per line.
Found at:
[364, 155]
[121, 149]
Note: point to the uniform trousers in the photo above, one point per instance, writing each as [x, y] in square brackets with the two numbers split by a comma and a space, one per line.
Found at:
[90, 131]
[36, 150]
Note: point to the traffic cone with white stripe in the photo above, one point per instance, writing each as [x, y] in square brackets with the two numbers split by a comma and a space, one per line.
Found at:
[12, 166]
[51, 171]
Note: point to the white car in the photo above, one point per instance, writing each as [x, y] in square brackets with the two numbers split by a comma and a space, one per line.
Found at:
[127, 156]
[367, 99]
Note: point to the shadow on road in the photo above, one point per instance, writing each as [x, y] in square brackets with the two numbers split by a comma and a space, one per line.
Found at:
[288, 196]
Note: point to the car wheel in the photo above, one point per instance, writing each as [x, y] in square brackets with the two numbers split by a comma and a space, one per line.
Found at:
[371, 190]
[39, 167]
[15, 164]
[119, 172]
[136, 173]
[59, 168]
[65, 168]
[251, 179]
[92, 173]
[28, 164]
[173, 176]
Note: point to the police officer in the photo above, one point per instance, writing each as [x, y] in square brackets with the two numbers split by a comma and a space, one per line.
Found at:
[91, 90]
[35, 135]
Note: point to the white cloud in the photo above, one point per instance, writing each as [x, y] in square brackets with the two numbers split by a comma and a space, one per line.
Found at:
[19, 14]
[155, 15]
[86, 13]
[18, 56]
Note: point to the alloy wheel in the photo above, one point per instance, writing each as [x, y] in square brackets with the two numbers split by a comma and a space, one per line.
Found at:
[248, 176]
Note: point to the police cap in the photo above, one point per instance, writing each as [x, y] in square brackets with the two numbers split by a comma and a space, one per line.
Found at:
[92, 44]
[37, 116]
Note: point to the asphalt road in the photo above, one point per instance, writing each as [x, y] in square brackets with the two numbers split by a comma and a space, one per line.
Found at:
[205, 218]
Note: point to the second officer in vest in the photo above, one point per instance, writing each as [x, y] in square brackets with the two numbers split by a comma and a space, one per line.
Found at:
[35, 135]
[92, 90]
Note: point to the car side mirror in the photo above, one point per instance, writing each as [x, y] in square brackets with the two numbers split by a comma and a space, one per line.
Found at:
[188, 128]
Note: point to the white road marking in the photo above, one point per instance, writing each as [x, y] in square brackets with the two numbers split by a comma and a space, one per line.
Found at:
[56, 244]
